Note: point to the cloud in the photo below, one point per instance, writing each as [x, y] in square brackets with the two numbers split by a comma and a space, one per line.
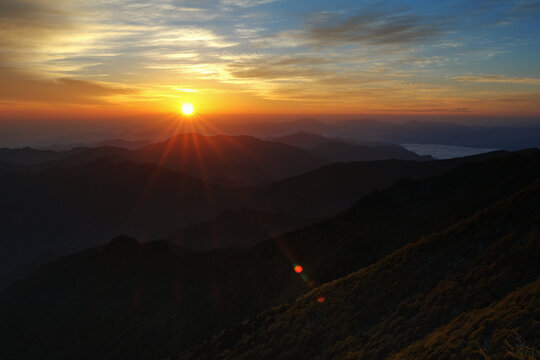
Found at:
[374, 27]
[246, 3]
[21, 22]
[279, 67]
[497, 79]
[187, 36]
[23, 87]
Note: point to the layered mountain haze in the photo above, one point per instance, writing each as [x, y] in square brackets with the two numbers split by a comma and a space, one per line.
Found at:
[237, 229]
[236, 160]
[61, 210]
[498, 136]
[226, 160]
[157, 300]
[56, 207]
[342, 150]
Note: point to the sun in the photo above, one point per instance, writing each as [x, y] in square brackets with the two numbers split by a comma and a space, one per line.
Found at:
[187, 109]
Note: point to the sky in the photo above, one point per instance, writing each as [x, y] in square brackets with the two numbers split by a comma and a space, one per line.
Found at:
[97, 59]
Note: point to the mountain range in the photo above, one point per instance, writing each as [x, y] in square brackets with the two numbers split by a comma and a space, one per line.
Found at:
[507, 137]
[434, 267]
[77, 202]
[343, 150]
[223, 160]
[57, 202]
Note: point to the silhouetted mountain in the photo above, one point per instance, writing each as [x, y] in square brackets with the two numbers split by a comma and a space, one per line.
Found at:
[470, 289]
[29, 156]
[130, 300]
[126, 144]
[341, 150]
[230, 159]
[304, 139]
[149, 301]
[120, 143]
[226, 160]
[331, 189]
[237, 228]
[412, 132]
[6, 168]
[62, 210]
[337, 151]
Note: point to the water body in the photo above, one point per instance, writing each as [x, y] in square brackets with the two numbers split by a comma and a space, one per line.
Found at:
[444, 151]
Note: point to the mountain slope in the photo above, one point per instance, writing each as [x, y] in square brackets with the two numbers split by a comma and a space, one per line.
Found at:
[230, 159]
[149, 301]
[68, 208]
[29, 156]
[237, 228]
[63, 210]
[330, 189]
[130, 300]
[501, 330]
[417, 132]
[379, 311]
[341, 150]
[225, 160]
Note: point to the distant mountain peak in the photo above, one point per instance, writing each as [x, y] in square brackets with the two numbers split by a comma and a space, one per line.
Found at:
[123, 242]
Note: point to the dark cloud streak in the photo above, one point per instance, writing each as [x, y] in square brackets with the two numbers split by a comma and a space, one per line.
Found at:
[374, 27]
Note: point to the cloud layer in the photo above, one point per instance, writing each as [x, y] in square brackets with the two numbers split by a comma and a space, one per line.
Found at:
[308, 55]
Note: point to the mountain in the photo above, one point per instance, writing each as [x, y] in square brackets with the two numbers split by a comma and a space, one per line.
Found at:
[225, 160]
[330, 189]
[468, 291]
[230, 159]
[62, 210]
[29, 156]
[392, 269]
[130, 300]
[341, 150]
[6, 168]
[237, 228]
[508, 137]
[118, 143]
[122, 143]
[305, 140]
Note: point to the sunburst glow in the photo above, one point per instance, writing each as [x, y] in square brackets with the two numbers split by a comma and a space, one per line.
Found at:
[187, 109]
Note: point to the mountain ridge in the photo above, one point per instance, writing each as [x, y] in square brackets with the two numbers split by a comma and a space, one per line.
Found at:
[140, 290]
[371, 324]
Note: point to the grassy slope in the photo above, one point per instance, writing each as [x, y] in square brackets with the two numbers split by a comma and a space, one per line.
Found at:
[408, 296]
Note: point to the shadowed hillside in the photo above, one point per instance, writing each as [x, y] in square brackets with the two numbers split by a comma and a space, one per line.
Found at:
[477, 279]
[230, 159]
[225, 160]
[333, 188]
[68, 208]
[153, 300]
[341, 150]
[63, 210]
[237, 228]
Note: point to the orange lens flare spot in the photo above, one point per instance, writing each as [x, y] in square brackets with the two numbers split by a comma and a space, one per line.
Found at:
[298, 269]
[321, 299]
